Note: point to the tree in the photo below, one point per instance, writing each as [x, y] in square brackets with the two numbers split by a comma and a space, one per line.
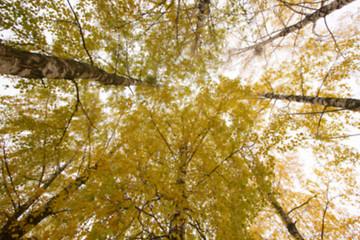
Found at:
[322, 12]
[198, 164]
[31, 65]
[290, 225]
[347, 103]
[195, 157]
[307, 170]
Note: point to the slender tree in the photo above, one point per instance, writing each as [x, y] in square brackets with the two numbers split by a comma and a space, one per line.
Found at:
[345, 103]
[322, 12]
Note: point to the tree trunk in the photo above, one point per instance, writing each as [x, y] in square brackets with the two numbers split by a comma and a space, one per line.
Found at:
[290, 225]
[37, 66]
[178, 221]
[203, 7]
[309, 18]
[346, 103]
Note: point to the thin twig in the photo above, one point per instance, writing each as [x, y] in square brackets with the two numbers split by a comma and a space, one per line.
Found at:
[300, 5]
[326, 76]
[161, 135]
[309, 18]
[318, 127]
[5, 185]
[324, 212]
[286, 4]
[81, 105]
[68, 123]
[217, 166]
[333, 37]
[8, 172]
[204, 133]
[156, 21]
[305, 113]
[81, 32]
[300, 206]
[344, 136]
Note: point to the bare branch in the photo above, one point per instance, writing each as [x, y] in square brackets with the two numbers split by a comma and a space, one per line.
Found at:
[216, 167]
[300, 206]
[326, 75]
[4, 177]
[20, 228]
[68, 122]
[288, 5]
[333, 37]
[162, 136]
[8, 172]
[81, 105]
[318, 127]
[324, 212]
[81, 32]
[344, 136]
[28, 203]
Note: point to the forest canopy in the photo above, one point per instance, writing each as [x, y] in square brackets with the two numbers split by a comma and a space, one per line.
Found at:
[174, 119]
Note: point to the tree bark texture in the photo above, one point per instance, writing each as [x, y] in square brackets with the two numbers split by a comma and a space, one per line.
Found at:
[309, 18]
[204, 10]
[37, 66]
[290, 225]
[346, 103]
[177, 226]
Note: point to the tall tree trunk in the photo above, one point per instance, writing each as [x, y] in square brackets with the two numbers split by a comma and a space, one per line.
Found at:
[178, 221]
[203, 7]
[346, 103]
[16, 229]
[34, 65]
[309, 18]
[290, 225]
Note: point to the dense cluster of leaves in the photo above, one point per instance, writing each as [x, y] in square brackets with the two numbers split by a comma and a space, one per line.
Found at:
[200, 156]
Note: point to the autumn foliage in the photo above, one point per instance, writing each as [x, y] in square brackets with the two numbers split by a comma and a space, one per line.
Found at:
[179, 120]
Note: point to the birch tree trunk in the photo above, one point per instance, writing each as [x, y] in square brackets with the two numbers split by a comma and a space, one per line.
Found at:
[346, 103]
[203, 7]
[290, 225]
[37, 66]
[178, 221]
[309, 18]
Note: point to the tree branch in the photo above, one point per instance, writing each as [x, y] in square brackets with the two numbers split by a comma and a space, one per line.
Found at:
[81, 32]
[300, 206]
[18, 229]
[11, 221]
[324, 212]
